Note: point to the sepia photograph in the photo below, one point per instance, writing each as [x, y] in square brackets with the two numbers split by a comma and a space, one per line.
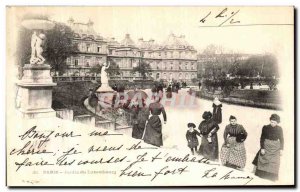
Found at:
[162, 96]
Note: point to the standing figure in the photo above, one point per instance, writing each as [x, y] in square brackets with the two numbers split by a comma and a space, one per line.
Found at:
[154, 92]
[217, 111]
[267, 160]
[115, 87]
[104, 78]
[134, 110]
[142, 116]
[191, 137]
[153, 131]
[199, 85]
[169, 92]
[209, 142]
[233, 152]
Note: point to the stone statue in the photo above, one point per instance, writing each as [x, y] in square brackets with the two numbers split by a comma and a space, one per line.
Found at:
[104, 78]
[37, 42]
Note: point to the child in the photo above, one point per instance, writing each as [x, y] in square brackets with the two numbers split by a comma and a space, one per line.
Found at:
[192, 138]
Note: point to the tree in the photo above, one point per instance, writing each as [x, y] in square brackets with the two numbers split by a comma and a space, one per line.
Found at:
[143, 68]
[59, 47]
[96, 69]
[113, 69]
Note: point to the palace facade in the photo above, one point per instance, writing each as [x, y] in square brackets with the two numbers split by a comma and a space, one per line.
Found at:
[175, 58]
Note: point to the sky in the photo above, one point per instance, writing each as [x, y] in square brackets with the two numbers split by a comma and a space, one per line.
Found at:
[158, 22]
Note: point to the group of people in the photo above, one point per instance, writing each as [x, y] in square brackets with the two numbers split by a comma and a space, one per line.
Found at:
[233, 153]
[146, 122]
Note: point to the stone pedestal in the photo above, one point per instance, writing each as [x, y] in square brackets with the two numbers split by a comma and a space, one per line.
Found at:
[105, 88]
[35, 92]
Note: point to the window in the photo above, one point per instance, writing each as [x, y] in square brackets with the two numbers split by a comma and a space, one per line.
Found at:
[98, 59]
[165, 76]
[110, 52]
[87, 63]
[99, 49]
[88, 48]
[76, 62]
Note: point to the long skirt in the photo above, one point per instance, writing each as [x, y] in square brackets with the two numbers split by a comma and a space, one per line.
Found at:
[137, 131]
[153, 134]
[209, 150]
[234, 155]
[268, 164]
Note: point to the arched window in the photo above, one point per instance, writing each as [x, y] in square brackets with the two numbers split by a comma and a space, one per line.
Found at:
[180, 75]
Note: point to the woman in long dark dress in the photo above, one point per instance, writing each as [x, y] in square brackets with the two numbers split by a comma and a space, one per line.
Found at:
[267, 160]
[134, 110]
[217, 111]
[233, 152]
[153, 130]
[140, 115]
[209, 142]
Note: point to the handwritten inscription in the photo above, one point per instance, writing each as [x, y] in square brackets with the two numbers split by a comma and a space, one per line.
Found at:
[223, 17]
[134, 160]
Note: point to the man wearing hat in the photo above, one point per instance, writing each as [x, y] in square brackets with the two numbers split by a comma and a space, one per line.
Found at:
[267, 160]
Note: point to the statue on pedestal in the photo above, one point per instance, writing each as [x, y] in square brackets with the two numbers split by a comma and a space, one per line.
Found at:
[37, 42]
[104, 78]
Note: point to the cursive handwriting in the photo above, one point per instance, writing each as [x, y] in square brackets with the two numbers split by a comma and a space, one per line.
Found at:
[104, 148]
[33, 134]
[102, 160]
[138, 146]
[99, 133]
[166, 171]
[62, 160]
[28, 149]
[133, 173]
[230, 176]
[29, 163]
[188, 159]
[222, 18]
[211, 173]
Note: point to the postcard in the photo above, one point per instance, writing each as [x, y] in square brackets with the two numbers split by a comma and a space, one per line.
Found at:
[150, 96]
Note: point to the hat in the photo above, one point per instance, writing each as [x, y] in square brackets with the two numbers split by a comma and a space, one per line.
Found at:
[191, 125]
[275, 117]
[207, 115]
[232, 117]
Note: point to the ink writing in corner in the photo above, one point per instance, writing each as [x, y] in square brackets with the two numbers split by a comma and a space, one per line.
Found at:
[222, 18]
